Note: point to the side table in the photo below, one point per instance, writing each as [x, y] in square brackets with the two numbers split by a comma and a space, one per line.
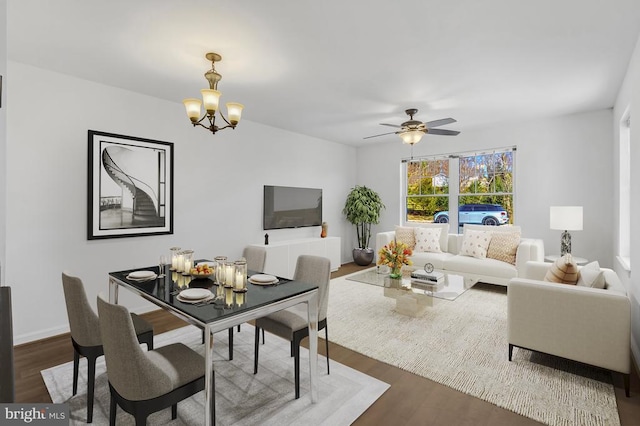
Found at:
[553, 257]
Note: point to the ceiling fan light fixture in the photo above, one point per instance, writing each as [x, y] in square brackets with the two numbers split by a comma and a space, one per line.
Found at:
[411, 137]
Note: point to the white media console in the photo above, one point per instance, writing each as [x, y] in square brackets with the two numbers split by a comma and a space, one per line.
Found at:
[282, 255]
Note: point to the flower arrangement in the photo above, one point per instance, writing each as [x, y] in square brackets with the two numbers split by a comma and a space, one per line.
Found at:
[394, 255]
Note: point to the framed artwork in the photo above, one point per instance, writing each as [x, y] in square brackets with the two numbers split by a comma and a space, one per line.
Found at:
[130, 190]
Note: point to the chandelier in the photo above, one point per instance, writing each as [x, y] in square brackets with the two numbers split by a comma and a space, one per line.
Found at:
[210, 99]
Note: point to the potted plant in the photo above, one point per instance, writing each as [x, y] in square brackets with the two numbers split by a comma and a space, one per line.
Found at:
[362, 209]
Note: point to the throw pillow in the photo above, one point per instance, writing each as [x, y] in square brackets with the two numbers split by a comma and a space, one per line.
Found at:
[563, 271]
[590, 275]
[404, 234]
[503, 246]
[444, 233]
[428, 240]
[475, 244]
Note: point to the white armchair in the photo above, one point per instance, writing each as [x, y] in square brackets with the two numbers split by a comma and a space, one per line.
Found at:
[583, 324]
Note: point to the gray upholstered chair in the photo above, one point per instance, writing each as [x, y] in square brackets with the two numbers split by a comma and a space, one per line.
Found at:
[291, 323]
[140, 382]
[256, 257]
[85, 333]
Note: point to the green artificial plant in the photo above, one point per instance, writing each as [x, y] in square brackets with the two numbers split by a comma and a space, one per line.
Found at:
[362, 209]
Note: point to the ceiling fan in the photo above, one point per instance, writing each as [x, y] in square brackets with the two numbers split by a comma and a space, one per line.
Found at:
[411, 131]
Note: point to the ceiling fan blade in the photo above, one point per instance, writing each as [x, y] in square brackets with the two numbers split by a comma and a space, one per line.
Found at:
[383, 134]
[442, 132]
[391, 125]
[441, 122]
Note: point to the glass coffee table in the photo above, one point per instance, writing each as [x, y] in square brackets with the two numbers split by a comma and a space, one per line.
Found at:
[414, 301]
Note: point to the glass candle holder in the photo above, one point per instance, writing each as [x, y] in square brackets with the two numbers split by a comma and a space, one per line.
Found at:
[187, 262]
[220, 260]
[229, 273]
[180, 262]
[174, 258]
[240, 280]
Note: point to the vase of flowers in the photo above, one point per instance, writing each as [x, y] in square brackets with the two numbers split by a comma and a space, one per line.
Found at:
[395, 255]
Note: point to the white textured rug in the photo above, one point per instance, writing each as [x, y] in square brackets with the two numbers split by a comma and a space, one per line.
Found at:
[463, 344]
[242, 398]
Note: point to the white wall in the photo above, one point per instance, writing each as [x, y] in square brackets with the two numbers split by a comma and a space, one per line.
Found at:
[218, 188]
[3, 134]
[629, 96]
[559, 161]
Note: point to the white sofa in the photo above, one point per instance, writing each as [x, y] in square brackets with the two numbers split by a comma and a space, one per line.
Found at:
[484, 270]
[584, 324]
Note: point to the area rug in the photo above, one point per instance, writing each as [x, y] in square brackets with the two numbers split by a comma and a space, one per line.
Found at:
[242, 398]
[463, 345]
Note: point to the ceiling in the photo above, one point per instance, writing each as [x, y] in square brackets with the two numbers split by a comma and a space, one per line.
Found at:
[334, 69]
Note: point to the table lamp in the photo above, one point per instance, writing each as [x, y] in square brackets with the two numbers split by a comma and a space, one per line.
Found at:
[566, 218]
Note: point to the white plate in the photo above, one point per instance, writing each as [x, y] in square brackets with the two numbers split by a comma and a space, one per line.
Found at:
[263, 278]
[195, 294]
[139, 275]
[182, 299]
[263, 283]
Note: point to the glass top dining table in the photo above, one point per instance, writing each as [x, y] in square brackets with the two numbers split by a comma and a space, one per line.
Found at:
[228, 309]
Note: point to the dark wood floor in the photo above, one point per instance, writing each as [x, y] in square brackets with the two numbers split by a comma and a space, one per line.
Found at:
[411, 399]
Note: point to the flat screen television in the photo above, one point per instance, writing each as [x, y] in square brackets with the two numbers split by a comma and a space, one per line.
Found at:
[291, 207]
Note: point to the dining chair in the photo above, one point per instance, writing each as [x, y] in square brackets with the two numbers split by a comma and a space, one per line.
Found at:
[256, 257]
[140, 382]
[292, 323]
[85, 333]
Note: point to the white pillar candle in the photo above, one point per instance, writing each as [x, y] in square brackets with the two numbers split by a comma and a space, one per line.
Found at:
[239, 280]
[229, 275]
[188, 264]
[180, 263]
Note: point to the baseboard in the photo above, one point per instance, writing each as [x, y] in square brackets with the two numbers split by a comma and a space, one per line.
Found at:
[22, 339]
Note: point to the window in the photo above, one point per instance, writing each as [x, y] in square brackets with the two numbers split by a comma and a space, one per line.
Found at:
[624, 230]
[427, 189]
[486, 184]
[482, 192]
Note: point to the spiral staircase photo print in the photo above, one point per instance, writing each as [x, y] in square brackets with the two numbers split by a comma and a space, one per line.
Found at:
[132, 188]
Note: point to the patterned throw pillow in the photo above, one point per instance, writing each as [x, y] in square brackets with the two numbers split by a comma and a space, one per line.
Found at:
[475, 244]
[404, 234]
[428, 240]
[563, 271]
[590, 275]
[503, 246]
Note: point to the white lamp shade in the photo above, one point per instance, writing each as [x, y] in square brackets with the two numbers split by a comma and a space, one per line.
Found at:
[411, 137]
[234, 112]
[566, 218]
[192, 106]
[210, 99]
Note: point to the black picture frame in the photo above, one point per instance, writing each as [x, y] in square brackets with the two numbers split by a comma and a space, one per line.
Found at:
[130, 186]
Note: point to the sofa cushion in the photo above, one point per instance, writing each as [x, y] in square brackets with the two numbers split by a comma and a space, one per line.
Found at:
[405, 234]
[564, 271]
[503, 246]
[482, 267]
[428, 240]
[590, 275]
[475, 243]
